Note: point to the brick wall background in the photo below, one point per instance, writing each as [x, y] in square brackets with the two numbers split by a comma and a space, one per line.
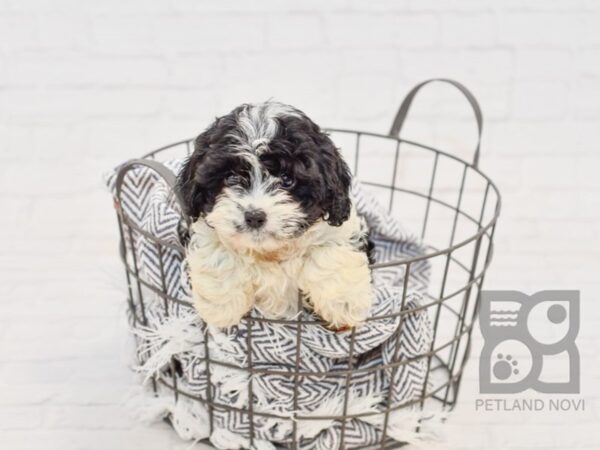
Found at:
[85, 85]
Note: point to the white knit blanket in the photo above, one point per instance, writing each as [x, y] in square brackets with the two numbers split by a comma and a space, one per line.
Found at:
[172, 343]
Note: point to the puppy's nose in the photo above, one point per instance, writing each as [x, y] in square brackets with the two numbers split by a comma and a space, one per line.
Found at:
[255, 218]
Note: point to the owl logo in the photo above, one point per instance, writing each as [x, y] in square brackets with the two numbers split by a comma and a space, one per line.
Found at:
[529, 342]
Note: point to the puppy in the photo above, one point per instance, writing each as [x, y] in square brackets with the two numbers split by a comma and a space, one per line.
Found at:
[268, 194]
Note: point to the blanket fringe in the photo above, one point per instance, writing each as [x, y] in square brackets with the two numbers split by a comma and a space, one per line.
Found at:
[189, 418]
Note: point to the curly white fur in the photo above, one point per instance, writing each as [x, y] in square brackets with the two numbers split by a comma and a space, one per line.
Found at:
[324, 263]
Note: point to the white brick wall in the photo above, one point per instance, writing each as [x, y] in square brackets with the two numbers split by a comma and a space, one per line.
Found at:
[85, 85]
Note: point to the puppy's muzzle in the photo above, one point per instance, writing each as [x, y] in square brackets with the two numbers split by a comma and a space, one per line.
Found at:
[255, 218]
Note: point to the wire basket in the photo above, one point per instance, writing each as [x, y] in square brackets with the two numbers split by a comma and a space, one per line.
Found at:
[450, 202]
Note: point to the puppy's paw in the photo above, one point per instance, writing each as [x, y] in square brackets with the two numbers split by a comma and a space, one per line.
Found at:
[222, 294]
[337, 282]
[343, 313]
[222, 315]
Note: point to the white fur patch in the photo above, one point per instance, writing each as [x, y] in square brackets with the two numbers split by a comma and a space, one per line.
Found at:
[284, 217]
[324, 263]
[257, 125]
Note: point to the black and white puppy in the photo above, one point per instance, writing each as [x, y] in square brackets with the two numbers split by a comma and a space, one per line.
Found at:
[268, 194]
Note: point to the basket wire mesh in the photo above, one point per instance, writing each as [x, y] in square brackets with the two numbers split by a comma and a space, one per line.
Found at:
[459, 235]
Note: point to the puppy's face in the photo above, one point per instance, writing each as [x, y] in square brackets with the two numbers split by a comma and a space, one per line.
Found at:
[263, 175]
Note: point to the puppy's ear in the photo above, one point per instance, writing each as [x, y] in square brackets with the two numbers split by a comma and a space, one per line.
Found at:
[187, 184]
[199, 177]
[337, 177]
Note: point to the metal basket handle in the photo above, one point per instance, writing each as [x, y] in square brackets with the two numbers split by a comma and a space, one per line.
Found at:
[405, 106]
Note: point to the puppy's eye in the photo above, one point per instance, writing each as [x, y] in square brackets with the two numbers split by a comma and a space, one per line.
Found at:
[286, 181]
[233, 180]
